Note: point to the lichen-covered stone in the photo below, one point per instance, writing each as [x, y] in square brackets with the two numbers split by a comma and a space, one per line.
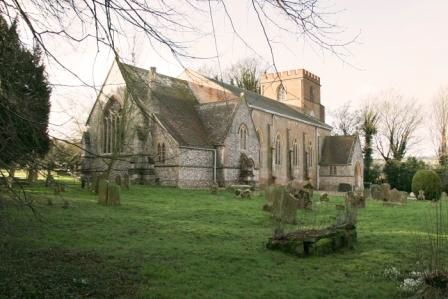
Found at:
[113, 194]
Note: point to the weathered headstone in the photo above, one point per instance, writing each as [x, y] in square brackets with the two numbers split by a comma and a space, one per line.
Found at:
[421, 195]
[324, 197]
[113, 194]
[443, 196]
[118, 180]
[285, 207]
[394, 195]
[102, 191]
[355, 199]
[214, 189]
[376, 192]
[246, 194]
[366, 193]
[404, 196]
[126, 181]
[385, 190]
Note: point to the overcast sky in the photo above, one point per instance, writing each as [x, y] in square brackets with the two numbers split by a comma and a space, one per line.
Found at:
[402, 44]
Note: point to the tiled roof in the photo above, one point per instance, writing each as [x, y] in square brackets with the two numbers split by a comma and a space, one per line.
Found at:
[338, 150]
[177, 105]
[258, 101]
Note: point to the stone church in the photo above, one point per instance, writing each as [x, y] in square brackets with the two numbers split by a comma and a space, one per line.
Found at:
[193, 131]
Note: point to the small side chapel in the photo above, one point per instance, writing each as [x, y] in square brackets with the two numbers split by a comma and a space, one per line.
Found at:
[193, 131]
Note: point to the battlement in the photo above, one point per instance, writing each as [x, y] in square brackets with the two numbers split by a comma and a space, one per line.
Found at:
[298, 73]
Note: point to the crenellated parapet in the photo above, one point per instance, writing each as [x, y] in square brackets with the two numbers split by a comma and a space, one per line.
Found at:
[291, 74]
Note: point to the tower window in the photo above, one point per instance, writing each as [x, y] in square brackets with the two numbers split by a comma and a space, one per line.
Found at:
[161, 152]
[281, 93]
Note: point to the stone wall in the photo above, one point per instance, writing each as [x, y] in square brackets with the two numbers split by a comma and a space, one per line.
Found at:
[196, 167]
[289, 131]
[229, 156]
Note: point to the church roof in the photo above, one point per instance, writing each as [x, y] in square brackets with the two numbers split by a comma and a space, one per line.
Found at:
[260, 102]
[177, 111]
[338, 150]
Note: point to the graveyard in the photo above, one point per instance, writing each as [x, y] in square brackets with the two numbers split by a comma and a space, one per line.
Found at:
[163, 242]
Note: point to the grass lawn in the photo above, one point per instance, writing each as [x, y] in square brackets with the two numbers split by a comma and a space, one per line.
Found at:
[172, 243]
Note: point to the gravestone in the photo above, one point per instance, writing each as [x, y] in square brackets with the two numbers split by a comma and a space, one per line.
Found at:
[421, 195]
[126, 182]
[113, 194]
[246, 194]
[443, 196]
[366, 193]
[324, 197]
[102, 191]
[394, 195]
[214, 189]
[285, 207]
[376, 192]
[118, 180]
[385, 191]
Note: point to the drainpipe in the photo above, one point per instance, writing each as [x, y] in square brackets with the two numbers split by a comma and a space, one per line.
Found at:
[317, 160]
[214, 157]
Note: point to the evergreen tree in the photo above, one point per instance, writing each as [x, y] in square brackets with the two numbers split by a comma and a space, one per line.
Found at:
[24, 100]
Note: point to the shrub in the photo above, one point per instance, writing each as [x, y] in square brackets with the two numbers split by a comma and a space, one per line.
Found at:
[429, 182]
[399, 174]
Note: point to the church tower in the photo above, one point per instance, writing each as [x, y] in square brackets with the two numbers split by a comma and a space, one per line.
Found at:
[297, 88]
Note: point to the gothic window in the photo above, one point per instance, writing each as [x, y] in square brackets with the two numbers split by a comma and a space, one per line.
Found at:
[295, 153]
[281, 93]
[333, 170]
[311, 93]
[278, 146]
[260, 140]
[243, 137]
[310, 155]
[112, 135]
[161, 152]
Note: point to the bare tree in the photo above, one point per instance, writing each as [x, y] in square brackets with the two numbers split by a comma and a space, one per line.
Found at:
[345, 120]
[399, 118]
[439, 129]
[246, 73]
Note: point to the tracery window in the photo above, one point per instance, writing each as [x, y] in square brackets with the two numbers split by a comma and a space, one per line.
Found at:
[310, 155]
[260, 140]
[243, 137]
[112, 132]
[278, 148]
[281, 93]
[333, 170]
[295, 153]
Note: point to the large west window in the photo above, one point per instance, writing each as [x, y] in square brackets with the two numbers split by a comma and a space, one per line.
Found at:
[161, 152]
[112, 131]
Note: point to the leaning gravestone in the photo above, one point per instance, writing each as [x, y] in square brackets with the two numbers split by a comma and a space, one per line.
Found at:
[285, 208]
[443, 196]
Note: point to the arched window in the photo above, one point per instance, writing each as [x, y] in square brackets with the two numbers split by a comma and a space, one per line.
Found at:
[161, 152]
[295, 153]
[112, 132]
[243, 137]
[310, 155]
[311, 93]
[281, 93]
[278, 148]
[260, 140]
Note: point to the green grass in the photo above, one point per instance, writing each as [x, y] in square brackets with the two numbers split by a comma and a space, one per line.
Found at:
[172, 243]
